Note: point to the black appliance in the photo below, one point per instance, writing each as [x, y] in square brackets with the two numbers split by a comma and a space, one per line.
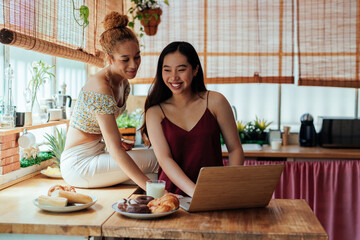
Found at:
[340, 132]
[307, 134]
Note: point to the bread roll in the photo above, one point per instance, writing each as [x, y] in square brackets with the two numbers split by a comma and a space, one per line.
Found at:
[60, 187]
[72, 197]
[52, 201]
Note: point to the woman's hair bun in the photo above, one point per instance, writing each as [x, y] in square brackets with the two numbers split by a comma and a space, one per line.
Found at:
[115, 19]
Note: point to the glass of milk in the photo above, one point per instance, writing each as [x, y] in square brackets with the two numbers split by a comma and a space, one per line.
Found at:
[155, 188]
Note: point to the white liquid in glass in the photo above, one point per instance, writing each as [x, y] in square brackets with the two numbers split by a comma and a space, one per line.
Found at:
[154, 189]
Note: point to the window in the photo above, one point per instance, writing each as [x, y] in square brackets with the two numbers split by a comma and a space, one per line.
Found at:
[261, 100]
[72, 73]
[21, 61]
[54, 27]
[237, 41]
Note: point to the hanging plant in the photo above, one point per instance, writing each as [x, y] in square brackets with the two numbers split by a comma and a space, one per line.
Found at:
[83, 15]
[148, 12]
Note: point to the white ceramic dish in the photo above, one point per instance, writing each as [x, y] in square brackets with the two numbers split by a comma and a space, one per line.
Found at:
[50, 175]
[71, 208]
[142, 215]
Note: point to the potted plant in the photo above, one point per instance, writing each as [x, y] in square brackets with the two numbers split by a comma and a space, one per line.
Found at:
[127, 124]
[254, 132]
[57, 144]
[148, 12]
[241, 127]
[40, 73]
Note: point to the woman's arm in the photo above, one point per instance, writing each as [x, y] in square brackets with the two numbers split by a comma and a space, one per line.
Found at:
[163, 153]
[112, 139]
[225, 117]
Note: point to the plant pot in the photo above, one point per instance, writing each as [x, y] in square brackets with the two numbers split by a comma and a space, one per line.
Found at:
[150, 21]
[259, 138]
[128, 133]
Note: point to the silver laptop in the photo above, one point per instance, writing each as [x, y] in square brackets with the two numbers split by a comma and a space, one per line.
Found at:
[231, 187]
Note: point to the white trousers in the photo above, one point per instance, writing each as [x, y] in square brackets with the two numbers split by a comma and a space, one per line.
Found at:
[89, 166]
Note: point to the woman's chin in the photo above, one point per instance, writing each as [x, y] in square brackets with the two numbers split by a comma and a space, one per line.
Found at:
[130, 76]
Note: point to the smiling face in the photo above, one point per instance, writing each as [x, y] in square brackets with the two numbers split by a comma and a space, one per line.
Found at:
[177, 72]
[126, 59]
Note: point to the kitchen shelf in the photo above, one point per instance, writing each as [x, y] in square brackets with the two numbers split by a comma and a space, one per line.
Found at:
[13, 177]
[21, 129]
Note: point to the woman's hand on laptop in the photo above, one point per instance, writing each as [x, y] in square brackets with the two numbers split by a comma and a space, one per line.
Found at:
[176, 195]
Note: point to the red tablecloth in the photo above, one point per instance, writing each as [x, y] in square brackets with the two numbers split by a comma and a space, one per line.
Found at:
[331, 188]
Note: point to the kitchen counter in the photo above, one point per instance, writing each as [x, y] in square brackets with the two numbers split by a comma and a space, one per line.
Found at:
[19, 215]
[281, 219]
[293, 152]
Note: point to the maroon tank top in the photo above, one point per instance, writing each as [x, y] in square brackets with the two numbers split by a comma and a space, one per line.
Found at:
[194, 149]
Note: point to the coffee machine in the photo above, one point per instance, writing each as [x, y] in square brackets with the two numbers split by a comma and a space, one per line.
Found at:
[61, 100]
[307, 134]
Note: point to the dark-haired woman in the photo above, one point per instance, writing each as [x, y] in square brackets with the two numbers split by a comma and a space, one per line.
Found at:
[84, 162]
[184, 120]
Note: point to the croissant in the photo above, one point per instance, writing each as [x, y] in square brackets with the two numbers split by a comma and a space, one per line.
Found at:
[166, 203]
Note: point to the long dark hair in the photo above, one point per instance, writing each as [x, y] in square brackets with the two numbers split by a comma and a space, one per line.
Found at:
[159, 92]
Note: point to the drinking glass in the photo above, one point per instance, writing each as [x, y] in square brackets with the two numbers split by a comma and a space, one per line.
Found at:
[155, 188]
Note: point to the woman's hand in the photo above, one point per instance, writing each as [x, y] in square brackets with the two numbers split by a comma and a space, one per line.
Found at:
[127, 146]
[176, 195]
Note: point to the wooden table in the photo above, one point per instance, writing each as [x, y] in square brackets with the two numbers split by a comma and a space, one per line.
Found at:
[295, 151]
[282, 219]
[18, 214]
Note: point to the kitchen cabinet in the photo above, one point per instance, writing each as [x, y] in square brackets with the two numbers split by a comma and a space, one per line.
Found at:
[297, 153]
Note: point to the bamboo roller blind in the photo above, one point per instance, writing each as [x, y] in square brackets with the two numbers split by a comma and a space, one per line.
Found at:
[329, 42]
[49, 27]
[243, 41]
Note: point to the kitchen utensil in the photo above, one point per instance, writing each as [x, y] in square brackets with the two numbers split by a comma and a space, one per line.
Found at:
[55, 114]
[27, 139]
[61, 100]
[20, 119]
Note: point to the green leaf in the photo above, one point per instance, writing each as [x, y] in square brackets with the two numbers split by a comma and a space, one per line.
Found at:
[43, 156]
[84, 14]
[127, 121]
[57, 144]
[131, 24]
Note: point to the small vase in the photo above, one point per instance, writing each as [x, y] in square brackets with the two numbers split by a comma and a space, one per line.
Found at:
[39, 116]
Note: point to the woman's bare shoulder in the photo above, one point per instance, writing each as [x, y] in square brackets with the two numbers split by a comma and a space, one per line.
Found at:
[98, 83]
[154, 110]
[216, 98]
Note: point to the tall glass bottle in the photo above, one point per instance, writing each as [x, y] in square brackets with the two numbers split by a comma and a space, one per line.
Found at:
[8, 116]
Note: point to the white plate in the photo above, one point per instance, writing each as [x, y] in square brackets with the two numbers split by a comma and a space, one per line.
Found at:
[50, 175]
[141, 215]
[71, 208]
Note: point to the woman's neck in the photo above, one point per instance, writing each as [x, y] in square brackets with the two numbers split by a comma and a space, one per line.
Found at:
[184, 99]
[114, 78]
